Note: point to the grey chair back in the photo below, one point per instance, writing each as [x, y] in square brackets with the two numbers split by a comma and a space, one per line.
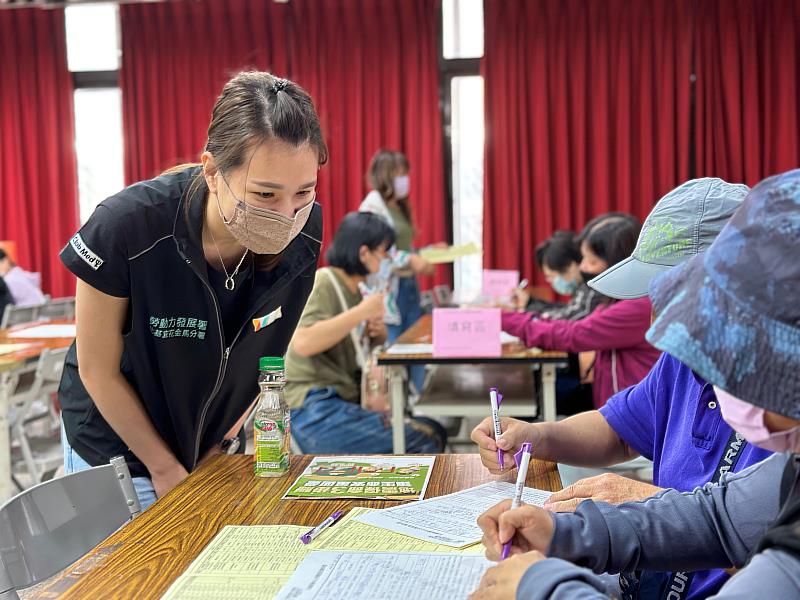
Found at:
[60, 308]
[17, 315]
[46, 528]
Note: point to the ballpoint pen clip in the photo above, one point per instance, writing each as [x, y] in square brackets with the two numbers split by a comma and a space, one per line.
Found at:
[526, 447]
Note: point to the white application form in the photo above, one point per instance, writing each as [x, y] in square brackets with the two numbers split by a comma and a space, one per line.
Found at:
[331, 575]
[450, 520]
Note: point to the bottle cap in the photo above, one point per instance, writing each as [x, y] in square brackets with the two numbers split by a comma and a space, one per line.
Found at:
[271, 363]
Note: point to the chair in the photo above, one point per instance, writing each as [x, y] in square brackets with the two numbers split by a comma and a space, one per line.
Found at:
[443, 295]
[60, 308]
[17, 315]
[24, 387]
[427, 301]
[48, 527]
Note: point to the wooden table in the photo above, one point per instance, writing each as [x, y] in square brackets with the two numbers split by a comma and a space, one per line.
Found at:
[422, 333]
[8, 363]
[143, 559]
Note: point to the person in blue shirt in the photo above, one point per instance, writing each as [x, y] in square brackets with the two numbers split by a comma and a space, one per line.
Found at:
[671, 417]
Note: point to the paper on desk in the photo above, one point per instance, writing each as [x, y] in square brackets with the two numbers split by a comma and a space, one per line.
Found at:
[45, 331]
[9, 348]
[350, 534]
[507, 338]
[331, 575]
[450, 254]
[395, 349]
[450, 520]
[255, 561]
[259, 558]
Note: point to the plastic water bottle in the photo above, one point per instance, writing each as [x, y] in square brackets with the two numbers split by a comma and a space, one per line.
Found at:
[272, 421]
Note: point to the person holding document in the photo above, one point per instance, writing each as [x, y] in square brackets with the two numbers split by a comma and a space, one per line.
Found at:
[729, 314]
[323, 371]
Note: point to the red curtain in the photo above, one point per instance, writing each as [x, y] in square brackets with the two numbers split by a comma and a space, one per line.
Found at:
[372, 70]
[587, 110]
[176, 56]
[747, 57]
[38, 180]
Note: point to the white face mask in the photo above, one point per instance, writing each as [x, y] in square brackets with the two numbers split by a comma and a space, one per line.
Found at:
[401, 185]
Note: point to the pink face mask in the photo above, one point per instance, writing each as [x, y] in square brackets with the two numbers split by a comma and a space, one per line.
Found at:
[748, 420]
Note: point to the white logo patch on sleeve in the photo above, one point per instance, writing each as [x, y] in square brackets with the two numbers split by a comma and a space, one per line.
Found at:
[86, 253]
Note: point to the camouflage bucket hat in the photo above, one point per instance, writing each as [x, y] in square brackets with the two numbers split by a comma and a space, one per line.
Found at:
[732, 313]
[683, 223]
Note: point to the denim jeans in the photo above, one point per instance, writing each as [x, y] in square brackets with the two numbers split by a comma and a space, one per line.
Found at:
[74, 463]
[327, 424]
[408, 305]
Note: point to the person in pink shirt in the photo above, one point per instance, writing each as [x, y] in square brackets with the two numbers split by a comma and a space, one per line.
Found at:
[25, 286]
[615, 330]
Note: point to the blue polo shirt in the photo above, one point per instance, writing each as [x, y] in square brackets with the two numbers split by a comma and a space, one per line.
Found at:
[672, 417]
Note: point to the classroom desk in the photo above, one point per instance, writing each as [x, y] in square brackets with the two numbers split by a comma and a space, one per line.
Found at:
[516, 354]
[143, 558]
[10, 362]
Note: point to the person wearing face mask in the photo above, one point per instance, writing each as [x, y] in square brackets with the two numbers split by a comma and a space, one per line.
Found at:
[322, 367]
[672, 416]
[730, 315]
[559, 259]
[184, 281]
[388, 176]
[614, 330]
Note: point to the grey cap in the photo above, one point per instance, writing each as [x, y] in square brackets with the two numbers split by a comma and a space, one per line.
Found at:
[683, 223]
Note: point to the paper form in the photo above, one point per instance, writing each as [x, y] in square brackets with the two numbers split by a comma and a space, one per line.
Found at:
[44, 331]
[449, 254]
[350, 534]
[255, 561]
[450, 520]
[410, 349]
[259, 558]
[331, 575]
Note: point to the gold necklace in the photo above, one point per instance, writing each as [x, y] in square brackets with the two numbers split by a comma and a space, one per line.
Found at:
[229, 282]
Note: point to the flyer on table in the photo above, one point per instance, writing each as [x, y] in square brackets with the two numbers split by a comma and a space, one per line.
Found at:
[373, 477]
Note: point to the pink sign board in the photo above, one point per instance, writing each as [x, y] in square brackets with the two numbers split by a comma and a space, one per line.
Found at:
[459, 332]
[498, 284]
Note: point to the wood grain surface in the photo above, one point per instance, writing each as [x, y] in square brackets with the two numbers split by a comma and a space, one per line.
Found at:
[141, 560]
[35, 345]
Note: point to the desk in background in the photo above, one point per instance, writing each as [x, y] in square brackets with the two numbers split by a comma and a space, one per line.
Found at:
[143, 559]
[513, 354]
[9, 362]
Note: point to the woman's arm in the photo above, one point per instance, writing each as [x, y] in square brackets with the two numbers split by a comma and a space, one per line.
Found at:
[100, 319]
[325, 334]
[618, 326]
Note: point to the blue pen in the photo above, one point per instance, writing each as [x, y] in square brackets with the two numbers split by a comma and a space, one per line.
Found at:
[523, 459]
[496, 398]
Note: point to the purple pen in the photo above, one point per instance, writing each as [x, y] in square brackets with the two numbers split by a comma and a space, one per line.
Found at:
[307, 537]
[523, 459]
[496, 398]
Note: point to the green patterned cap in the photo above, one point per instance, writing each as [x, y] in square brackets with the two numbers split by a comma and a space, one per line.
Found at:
[683, 223]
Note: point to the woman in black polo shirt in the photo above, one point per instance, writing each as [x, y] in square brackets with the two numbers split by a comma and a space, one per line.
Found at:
[184, 281]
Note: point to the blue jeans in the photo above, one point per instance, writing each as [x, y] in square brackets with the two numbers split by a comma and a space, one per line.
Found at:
[73, 463]
[327, 424]
[410, 309]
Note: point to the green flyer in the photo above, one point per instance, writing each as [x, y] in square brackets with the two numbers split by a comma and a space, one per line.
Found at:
[368, 477]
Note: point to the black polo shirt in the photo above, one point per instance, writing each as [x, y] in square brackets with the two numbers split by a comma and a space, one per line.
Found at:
[145, 244]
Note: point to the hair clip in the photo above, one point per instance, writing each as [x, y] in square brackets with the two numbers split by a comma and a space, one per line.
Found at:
[279, 85]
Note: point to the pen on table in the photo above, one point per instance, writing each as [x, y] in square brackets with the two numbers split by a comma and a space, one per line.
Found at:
[307, 537]
[496, 398]
[523, 459]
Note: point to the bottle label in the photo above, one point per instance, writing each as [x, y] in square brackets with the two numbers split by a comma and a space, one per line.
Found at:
[272, 445]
